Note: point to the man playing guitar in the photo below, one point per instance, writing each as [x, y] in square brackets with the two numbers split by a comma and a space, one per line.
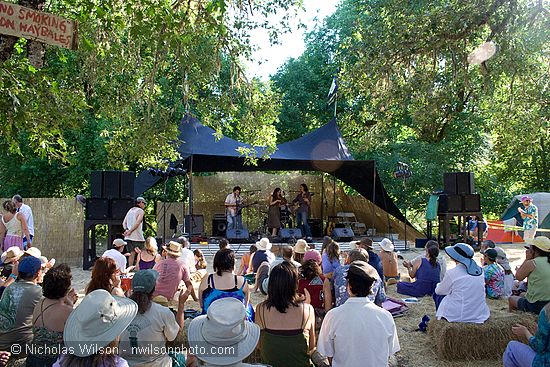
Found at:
[303, 199]
[233, 202]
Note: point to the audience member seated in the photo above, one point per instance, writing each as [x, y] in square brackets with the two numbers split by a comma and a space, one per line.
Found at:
[377, 294]
[223, 244]
[494, 274]
[374, 259]
[10, 259]
[149, 256]
[224, 283]
[172, 271]
[200, 266]
[50, 315]
[388, 257]
[315, 255]
[262, 254]
[224, 325]
[152, 326]
[17, 305]
[536, 352]
[502, 260]
[536, 268]
[287, 323]
[460, 297]
[262, 281]
[300, 249]
[105, 275]
[426, 270]
[358, 333]
[116, 254]
[186, 254]
[244, 267]
[315, 288]
[441, 259]
[330, 259]
[93, 329]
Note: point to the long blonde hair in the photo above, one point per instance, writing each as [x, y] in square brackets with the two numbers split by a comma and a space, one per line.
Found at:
[151, 246]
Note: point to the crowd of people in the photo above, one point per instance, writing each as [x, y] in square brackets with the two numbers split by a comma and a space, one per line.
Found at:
[317, 307]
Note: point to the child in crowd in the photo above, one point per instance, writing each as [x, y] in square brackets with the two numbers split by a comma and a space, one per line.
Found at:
[494, 274]
[389, 262]
[245, 267]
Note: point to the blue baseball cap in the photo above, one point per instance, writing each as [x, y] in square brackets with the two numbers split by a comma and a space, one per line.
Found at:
[30, 265]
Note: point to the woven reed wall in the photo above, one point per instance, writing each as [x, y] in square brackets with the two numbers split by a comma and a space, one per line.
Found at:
[58, 228]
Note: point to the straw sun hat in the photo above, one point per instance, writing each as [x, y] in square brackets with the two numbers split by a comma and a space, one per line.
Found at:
[173, 248]
[263, 244]
[224, 325]
[97, 321]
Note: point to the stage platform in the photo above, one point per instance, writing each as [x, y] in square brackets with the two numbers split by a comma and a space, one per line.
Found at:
[210, 248]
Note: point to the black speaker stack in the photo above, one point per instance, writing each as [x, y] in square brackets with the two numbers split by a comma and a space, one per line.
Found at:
[459, 196]
[111, 195]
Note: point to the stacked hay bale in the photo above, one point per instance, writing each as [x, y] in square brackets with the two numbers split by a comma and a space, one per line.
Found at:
[459, 341]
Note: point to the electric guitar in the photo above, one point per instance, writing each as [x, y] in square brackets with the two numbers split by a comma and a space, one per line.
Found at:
[240, 207]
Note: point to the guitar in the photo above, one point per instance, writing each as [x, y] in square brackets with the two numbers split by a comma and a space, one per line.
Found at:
[240, 207]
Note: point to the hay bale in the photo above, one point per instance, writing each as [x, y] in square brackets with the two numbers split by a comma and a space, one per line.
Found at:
[459, 341]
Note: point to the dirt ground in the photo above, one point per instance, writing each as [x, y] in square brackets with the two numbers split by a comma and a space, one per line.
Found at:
[417, 349]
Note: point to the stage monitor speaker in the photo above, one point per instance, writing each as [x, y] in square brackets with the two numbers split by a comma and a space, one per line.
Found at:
[119, 208]
[111, 184]
[316, 226]
[127, 179]
[194, 224]
[287, 233]
[342, 234]
[97, 209]
[96, 184]
[450, 204]
[219, 227]
[472, 203]
[236, 235]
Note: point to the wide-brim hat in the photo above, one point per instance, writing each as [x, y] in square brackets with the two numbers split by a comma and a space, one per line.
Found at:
[263, 244]
[11, 254]
[386, 245]
[301, 247]
[541, 242]
[98, 320]
[173, 248]
[224, 325]
[464, 254]
[33, 251]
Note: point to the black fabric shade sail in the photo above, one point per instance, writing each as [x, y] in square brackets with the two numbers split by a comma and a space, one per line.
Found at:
[321, 150]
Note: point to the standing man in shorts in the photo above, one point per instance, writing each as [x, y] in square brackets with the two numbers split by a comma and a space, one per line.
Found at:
[133, 229]
[27, 213]
[530, 215]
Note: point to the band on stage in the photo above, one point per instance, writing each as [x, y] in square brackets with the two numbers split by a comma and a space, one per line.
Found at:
[279, 213]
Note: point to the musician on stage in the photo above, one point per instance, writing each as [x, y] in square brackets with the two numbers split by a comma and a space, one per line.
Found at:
[233, 202]
[275, 201]
[304, 200]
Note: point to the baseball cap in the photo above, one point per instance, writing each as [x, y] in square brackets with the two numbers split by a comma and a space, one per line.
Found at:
[119, 242]
[140, 199]
[145, 280]
[526, 197]
[30, 265]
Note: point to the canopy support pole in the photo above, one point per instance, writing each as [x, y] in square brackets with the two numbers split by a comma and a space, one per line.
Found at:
[373, 196]
[322, 200]
[190, 186]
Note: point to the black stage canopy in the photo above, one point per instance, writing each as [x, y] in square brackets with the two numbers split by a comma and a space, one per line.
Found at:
[321, 150]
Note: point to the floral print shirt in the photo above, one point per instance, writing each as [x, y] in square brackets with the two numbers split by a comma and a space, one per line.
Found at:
[531, 223]
[494, 280]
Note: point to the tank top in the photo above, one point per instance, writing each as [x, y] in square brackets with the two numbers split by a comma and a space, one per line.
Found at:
[144, 265]
[211, 294]
[13, 226]
[293, 342]
[43, 336]
[538, 289]
[259, 257]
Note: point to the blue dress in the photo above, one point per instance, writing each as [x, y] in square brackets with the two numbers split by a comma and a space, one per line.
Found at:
[211, 294]
[427, 277]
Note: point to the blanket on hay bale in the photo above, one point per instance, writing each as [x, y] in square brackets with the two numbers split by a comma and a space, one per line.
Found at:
[459, 341]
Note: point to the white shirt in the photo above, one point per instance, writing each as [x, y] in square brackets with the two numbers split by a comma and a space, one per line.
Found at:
[464, 297]
[129, 221]
[120, 259]
[189, 258]
[149, 331]
[232, 200]
[358, 333]
[27, 213]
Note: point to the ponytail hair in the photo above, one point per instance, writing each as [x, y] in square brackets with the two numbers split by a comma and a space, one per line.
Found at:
[433, 253]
